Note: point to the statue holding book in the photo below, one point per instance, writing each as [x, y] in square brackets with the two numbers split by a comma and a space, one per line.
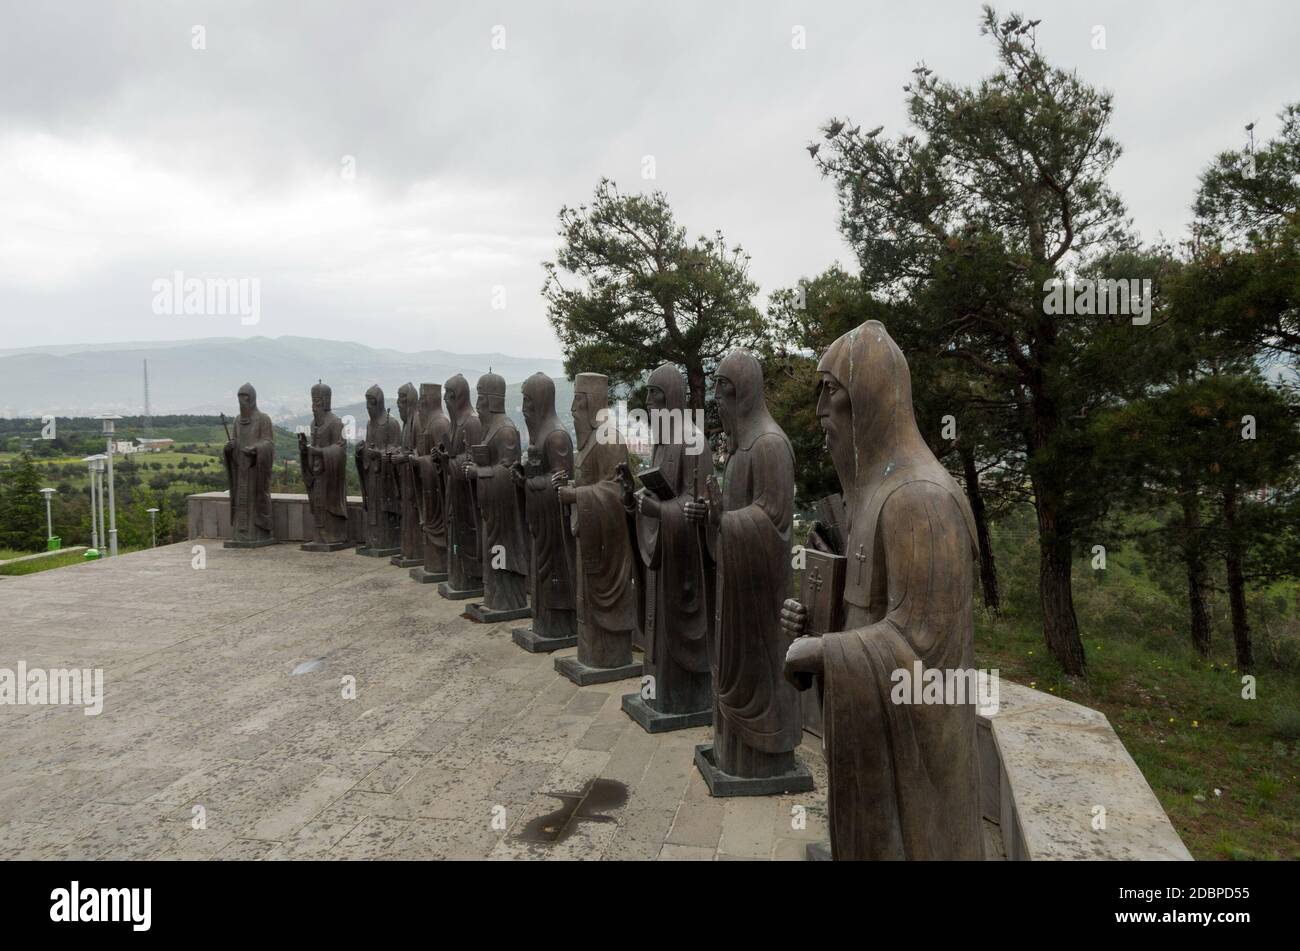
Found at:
[903, 779]
[676, 689]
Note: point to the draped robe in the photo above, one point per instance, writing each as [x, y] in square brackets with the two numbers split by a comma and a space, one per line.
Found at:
[249, 477]
[504, 550]
[431, 489]
[464, 570]
[553, 545]
[380, 494]
[757, 724]
[412, 535]
[606, 596]
[325, 473]
[673, 607]
[903, 778]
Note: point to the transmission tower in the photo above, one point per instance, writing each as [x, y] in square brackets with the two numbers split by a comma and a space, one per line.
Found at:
[148, 419]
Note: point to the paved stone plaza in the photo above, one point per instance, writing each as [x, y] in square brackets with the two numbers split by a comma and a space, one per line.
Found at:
[458, 744]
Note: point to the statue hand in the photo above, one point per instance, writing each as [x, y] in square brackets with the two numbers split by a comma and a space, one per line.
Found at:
[648, 505]
[558, 478]
[794, 618]
[517, 473]
[568, 494]
[697, 511]
[804, 659]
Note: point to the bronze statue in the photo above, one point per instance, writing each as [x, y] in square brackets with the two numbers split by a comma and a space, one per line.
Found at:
[380, 495]
[606, 594]
[324, 468]
[903, 778]
[249, 455]
[503, 540]
[550, 450]
[676, 692]
[464, 570]
[748, 523]
[433, 429]
[401, 458]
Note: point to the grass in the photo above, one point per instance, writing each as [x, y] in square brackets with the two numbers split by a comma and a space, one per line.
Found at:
[42, 564]
[1224, 768]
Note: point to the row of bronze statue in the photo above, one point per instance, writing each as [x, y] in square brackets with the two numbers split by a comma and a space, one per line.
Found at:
[695, 572]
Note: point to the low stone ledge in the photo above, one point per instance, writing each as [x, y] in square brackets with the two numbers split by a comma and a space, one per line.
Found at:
[1049, 766]
[208, 516]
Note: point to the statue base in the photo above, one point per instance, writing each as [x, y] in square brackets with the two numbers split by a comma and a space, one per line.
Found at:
[399, 562]
[485, 615]
[425, 576]
[324, 546]
[377, 552]
[459, 594]
[723, 784]
[255, 543]
[585, 676]
[536, 643]
[654, 721]
[817, 852]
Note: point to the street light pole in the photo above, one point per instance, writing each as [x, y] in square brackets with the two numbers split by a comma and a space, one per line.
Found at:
[94, 503]
[49, 522]
[153, 526]
[108, 419]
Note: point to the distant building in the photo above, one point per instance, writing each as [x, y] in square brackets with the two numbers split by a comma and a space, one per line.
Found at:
[155, 445]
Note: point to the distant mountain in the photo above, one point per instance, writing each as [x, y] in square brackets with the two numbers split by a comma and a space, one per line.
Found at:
[202, 376]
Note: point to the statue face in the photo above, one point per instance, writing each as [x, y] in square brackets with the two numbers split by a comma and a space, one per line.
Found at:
[318, 406]
[245, 402]
[724, 394]
[654, 398]
[374, 405]
[530, 411]
[481, 405]
[405, 402]
[582, 421]
[835, 413]
[449, 397]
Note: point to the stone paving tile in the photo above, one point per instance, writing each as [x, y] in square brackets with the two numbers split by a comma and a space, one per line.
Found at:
[451, 742]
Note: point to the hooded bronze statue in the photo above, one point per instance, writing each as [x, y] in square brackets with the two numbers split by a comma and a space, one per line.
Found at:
[402, 459]
[464, 570]
[248, 456]
[550, 451]
[606, 595]
[503, 543]
[673, 609]
[324, 468]
[748, 530]
[904, 778]
[433, 428]
[380, 494]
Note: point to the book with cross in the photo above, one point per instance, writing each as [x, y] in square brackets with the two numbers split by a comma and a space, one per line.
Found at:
[822, 585]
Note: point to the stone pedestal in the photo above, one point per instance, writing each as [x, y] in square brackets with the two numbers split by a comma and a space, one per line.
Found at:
[724, 784]
[486, 615]
[655, 721]
[817, 852]
[459, 594]
[377, 552]
[536, 643]
[255, 543]
[424, 576]
[325, 546]
[585, 676]
[399, 562]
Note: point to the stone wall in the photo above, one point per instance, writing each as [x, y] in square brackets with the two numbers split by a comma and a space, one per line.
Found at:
[1060, 784]
[208, 516]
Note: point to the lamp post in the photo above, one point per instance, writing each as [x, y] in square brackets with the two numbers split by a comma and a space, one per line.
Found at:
[94, 503]
[153, 526]
[49, 522]
[108, 419]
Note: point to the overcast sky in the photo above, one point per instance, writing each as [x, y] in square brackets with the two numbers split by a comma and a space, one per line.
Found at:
[127, 155]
